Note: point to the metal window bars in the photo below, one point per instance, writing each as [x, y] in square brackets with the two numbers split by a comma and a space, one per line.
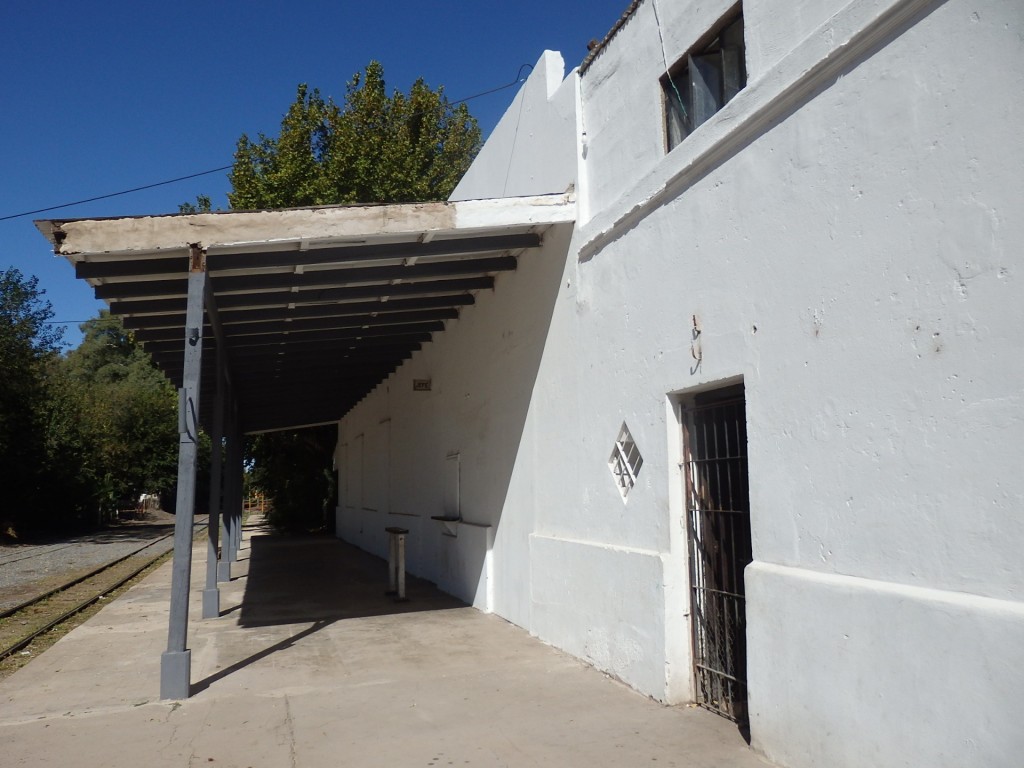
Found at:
[718, 521]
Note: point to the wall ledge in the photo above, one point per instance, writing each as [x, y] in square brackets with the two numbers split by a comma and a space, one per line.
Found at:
[961, 600]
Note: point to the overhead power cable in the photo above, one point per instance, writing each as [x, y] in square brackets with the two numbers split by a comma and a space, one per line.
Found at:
[519, 79]
[115, 194]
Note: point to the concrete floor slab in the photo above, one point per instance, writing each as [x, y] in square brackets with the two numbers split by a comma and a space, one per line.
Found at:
[311, 665]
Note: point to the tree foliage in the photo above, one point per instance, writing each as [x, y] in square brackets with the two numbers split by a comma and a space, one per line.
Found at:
[372, 148]
[203, 204]
[28, 344]
[80, 434]
[126, 413]
[294, 469]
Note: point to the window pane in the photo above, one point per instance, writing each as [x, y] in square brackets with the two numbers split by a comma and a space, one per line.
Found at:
[676, 109]
[732, 73]
[706, 83]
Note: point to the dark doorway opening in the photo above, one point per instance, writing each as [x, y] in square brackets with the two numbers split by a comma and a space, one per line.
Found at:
[718, 523]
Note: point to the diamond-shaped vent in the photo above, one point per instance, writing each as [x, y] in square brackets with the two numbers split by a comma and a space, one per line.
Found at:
[625, 461]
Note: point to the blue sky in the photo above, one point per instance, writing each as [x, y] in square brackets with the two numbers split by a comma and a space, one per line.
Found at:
[100, 97]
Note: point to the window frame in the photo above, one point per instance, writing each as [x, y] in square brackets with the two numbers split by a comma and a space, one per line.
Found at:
[677, 124]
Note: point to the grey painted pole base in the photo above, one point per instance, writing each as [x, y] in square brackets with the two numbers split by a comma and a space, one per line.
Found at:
[224, 571]
[211, 603]
[175, 674]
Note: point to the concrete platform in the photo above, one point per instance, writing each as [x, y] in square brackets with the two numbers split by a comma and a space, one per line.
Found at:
[311, 665]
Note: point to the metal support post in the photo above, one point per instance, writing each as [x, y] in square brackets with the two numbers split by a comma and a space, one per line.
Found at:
[396, 563]
[240, 505]
[176, 661]
[224, 407]
[235, 469]
[224, 564]
[211, 595]
[227, 530]
[240, 480]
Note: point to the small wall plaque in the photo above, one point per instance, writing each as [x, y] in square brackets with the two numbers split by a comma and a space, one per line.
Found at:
[421, 385]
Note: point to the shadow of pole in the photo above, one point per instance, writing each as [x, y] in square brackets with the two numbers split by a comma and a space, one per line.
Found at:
[288, 642]
[293, 580]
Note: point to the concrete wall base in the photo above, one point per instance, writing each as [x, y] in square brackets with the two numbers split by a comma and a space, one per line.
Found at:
[175, 674]
[891, 674]
[615, 593]
[211, 603]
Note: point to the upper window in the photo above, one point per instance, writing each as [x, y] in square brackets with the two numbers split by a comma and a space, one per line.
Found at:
[704, 80]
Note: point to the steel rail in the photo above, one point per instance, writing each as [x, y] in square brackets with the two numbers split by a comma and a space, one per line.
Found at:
[81, 606]
[17, 646]
[95, 572]
[60, 588]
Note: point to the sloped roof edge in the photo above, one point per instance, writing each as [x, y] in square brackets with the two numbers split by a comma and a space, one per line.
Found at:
[596, 50]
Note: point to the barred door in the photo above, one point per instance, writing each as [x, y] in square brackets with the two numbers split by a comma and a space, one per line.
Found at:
[718, 521]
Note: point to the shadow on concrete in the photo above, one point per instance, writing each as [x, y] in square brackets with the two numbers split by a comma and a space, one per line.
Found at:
[288, 642]
[319, 579]
[295, 579]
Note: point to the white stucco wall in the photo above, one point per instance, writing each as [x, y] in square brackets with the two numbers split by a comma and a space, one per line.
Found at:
[532, 149]
[871, 208]
[865, 225]
[481, 371]
[776, 28]
[847, 233]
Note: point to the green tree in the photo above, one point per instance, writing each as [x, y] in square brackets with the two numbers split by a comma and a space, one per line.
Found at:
[372, 148]
[28, 343]
[203, 204]
[69, 499]
[125, 414]
[294, 469]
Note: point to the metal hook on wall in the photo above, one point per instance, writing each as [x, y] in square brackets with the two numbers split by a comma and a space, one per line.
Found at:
[696, 351]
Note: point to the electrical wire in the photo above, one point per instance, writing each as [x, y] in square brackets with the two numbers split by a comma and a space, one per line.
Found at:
[664, 58]
[115, 194]
[519, 76]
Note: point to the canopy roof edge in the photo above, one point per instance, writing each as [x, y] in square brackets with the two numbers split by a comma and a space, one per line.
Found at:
[315, 306]
[154, 234]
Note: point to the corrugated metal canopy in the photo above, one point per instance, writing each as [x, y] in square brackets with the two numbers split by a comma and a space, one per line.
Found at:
[317, 305]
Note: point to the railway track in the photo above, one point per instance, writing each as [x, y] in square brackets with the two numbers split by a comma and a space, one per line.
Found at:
[25, 622]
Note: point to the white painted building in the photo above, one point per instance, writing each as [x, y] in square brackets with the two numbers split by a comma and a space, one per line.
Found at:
[842, 236]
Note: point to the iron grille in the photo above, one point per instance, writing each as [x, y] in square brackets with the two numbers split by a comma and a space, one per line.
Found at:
[718, 519]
